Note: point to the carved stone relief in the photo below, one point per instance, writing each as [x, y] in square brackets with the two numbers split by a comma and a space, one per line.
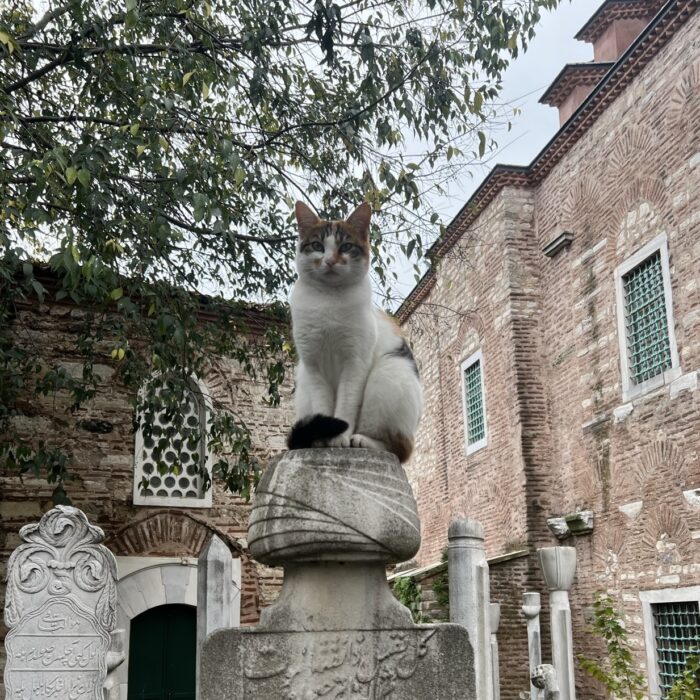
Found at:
[60, 607]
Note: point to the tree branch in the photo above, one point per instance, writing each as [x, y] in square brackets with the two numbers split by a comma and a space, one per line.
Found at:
[238, 236]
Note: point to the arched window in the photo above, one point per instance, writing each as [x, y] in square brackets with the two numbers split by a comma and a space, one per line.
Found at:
[168, 458]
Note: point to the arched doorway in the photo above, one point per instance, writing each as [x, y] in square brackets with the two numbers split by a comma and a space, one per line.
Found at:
[162, 653]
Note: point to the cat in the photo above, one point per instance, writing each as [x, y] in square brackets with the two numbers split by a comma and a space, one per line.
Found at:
[357, 382]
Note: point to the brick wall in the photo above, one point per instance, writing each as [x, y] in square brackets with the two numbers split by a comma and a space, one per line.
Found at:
[560, 436]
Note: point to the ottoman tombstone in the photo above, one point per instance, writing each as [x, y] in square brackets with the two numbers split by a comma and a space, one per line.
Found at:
[60, 607]
[334, 518]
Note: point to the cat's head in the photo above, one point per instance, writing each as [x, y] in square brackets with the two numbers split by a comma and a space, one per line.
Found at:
[333, 253]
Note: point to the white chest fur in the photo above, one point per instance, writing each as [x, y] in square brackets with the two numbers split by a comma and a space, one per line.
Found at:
[333, 327]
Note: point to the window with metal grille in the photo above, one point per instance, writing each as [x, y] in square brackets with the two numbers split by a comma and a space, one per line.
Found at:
[677, 635]
[646, 325]
[474, 403]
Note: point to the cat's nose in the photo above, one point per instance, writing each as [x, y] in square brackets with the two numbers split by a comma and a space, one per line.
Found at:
[330, 261]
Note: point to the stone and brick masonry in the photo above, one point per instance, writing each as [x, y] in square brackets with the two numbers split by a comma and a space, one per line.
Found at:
[560, 436]
[103, 462]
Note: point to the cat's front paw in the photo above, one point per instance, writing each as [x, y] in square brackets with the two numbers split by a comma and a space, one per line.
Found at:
[342, 440]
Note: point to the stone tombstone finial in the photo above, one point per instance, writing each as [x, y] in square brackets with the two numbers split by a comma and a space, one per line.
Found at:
[531, 609]
[333, 518]
[60, 606]
[544, 677]
[468, 574]
[559, 568]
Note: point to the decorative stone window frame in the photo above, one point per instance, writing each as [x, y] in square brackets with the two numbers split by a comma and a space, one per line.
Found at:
[630, 390]
[205, 501]
[649, 598]
[471, 360]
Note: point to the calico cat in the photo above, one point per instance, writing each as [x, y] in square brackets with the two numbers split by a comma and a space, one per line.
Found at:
[357, 383]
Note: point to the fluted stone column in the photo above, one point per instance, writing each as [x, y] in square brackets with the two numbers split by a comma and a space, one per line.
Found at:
[494, 620]
[334, 518]
[559, 568]
[531, 609]
[468, 574]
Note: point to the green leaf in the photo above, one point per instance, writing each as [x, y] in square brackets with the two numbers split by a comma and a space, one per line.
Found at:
[117, 293]
[482, 143]
[84, 177]
[71, 175]
[186, 78]
[205, 90]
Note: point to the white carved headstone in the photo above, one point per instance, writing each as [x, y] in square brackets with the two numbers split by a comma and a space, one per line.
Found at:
[60, 607]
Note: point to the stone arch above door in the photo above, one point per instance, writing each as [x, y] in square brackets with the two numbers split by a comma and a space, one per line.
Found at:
[167, 533]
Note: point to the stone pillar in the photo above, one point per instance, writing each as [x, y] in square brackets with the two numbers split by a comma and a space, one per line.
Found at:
[334, 518]
[494, 620]
[531, 609]
[559, 568]
[115, 657]
[468, 575]
[215, 594]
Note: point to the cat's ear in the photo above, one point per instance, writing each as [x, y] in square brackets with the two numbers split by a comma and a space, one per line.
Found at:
[359, 219]
[305, 217]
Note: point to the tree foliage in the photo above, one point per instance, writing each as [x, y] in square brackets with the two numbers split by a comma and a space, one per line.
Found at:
[408, 593]
[687, 685]
[152, 149]
[618, 673]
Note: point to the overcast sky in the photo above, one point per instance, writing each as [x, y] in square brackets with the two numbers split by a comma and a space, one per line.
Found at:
[525, 82]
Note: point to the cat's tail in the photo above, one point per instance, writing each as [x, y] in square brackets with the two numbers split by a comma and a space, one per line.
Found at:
[312, 430]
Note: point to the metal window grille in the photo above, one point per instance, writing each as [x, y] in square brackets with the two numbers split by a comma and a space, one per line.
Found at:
[648, 346]
[677, 633]
[476, 427]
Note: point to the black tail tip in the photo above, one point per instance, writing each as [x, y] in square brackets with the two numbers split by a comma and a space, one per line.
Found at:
[309, 430]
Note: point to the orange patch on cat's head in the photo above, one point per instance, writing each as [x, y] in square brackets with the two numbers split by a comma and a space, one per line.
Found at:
[307, 221]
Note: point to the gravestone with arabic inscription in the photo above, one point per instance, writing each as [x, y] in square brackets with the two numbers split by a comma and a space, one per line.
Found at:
[60, 606]
[334, 519]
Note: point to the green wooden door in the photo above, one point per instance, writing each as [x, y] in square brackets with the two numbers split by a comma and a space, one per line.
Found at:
[162, 650]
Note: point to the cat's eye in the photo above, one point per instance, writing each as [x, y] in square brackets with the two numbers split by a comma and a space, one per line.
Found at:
[315, 245]
[346, 247]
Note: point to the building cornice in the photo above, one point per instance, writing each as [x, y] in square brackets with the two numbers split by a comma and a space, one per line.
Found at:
[613, 10]
[672, 16]
[571, 76]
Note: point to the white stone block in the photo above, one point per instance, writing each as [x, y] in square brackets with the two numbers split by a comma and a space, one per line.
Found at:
[686, 382]
[621, 412]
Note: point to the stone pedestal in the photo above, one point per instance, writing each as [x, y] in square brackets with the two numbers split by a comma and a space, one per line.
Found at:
[559, 568]
[215, 596]
[334, 518]
[468, 573]
[494, 621]
[531, 609]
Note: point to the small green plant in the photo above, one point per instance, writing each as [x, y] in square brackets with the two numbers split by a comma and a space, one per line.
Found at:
[408, 593]
[441, 587]
[687, 685]
[618, 673]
